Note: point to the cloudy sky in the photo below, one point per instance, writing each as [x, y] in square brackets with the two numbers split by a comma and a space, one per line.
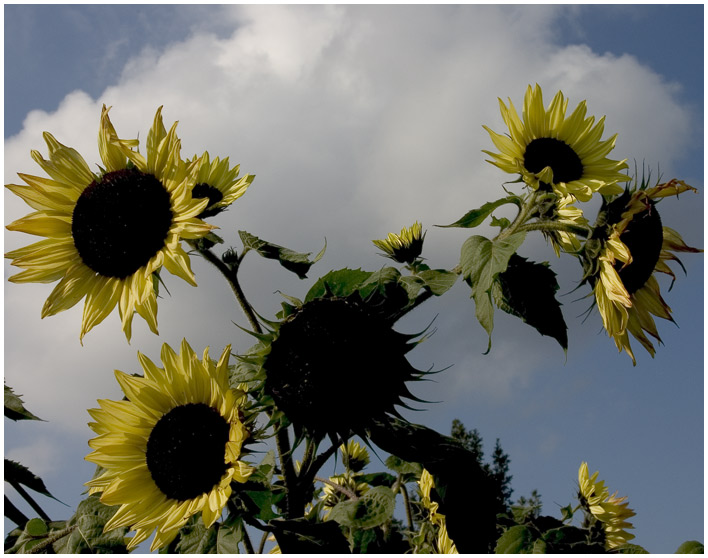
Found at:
[358, 120]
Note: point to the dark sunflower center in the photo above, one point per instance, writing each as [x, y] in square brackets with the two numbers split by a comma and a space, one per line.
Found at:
[204, 190]
[186, 449]
[554, 153]
[334, 366]
[121, 222]
[643, 236]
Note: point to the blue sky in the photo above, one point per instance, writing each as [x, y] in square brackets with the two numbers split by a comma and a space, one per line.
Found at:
[358, 121]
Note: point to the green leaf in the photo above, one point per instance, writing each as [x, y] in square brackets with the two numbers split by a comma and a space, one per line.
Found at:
[397, 465]
[482, 260]
[377, 479]
[439, 281]
[15, 408]
[412, 284]
[690, 547]
[636, 549]
[514, 540]
[477, 216]
[265, 500]
[296, 262]
[341, 282]
[36, 528]
[264, 471]
[195, 538]
[371, 510]
[229, 535]
[16, 473]
[87, 535]
[527, 290]
[299, 536]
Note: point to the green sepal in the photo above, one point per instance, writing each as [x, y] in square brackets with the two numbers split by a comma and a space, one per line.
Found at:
[476, 217]
[15, 407]
[527, 290]
[371, 510]
[298, 263]
[481, 261]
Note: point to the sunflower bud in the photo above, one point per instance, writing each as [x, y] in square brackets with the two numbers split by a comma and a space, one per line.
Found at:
[404, 247]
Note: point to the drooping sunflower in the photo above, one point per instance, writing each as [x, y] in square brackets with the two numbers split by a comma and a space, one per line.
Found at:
[404, 247]
[611, 511]
[550, 150]
[173, 448]
[108, 233]
[627, 246]
[443, 543]
[330, 350]
[218, 183]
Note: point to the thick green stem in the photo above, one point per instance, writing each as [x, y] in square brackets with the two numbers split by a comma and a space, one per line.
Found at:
[556, 226]
[524, 214]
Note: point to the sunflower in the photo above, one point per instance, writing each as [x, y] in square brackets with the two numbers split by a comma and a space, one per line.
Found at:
[404, 247]
[108, 233]
[218, 183]
[610, 511]
[354, 456]
[443, 543]
[559, 210]
[627, 246]
[317, 361]
[173, 448]
[549, 150]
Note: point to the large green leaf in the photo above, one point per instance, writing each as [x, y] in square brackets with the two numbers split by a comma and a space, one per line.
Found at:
[340, 282]
[439, 281]
[527, 290]
[296, 262]
[229, 535]
[15, 407]
[371, 510]
[690, 547]
[481, 261]
[195, 538]
[477, 216]
[87, 533]
[515, 540]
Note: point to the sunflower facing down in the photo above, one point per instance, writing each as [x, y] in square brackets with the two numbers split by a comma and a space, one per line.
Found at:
[549, 149]
[444, 544]
[628, 245]
[107, 234]
[610, 511]
[173, 448]
[218, 183]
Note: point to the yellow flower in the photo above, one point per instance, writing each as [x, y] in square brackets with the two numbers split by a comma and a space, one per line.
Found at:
[404, 247]
[173, 448]
[218, 183]
[354, 456]
[629, 246]
[444, 543]
[331, 495]
[549, 149]
[108, 234]
[611, 511]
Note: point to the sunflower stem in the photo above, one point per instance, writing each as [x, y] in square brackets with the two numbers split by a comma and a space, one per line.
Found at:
[524, 214]
[247, 543]
[339, 488]
[556, 226]
[407, 504]
[261, 546]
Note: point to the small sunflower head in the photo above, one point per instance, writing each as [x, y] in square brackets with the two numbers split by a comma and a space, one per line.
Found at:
[340, 488]
[326, 355]
[173, 447]
[354, 456]
[218, 183]
[547, 147]
[404, 247]
[608, 510]
[627, 246]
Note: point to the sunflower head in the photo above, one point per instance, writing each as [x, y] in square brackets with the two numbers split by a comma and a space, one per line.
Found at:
[108, 232]
[551, 150]
[334, 364]
[354, 456]
[443, 543]
[218, 183]
[173, 447]
[608, 510]
[628, 245]
[404, 247]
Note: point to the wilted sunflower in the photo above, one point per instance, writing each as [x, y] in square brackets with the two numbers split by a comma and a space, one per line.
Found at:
[107, 234]
[611, 511]
[549, 149]
[404, 247]
[218, 183]
[173, 448]
[444, 544]
[627, 246]
[335, 364]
